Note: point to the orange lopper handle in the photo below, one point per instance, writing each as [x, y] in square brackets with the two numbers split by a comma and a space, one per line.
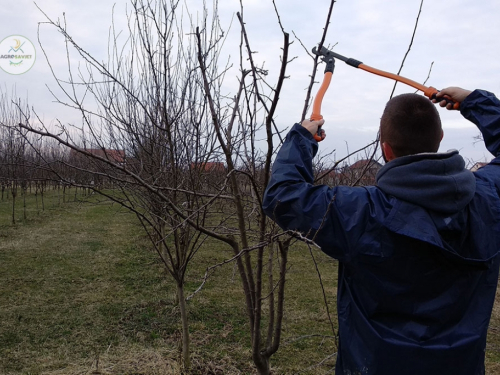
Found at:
[316, 113]
[430, 91]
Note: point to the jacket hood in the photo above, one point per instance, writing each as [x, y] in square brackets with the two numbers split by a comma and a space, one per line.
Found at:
[435, 181]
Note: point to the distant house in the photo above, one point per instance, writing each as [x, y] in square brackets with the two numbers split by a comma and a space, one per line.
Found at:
[370, 164]
[361, 173]
[478, 165]
[333, 178]
[115, 156]
[364, 171]
[90, 170]
[208, 166]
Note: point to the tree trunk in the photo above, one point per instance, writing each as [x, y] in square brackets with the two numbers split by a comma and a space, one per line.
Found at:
[262, 364]
[25, 192]
[185, 327]
[14, 193]
[43, 202]
[36, 198]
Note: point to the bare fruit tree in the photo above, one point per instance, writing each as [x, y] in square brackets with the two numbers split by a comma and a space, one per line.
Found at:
[164, 141]
[162, 138]
[13, 149]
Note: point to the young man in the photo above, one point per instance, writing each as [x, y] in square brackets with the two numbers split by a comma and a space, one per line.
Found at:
[418, 253]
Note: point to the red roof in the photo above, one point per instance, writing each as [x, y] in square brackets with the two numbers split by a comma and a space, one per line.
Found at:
[117, 156]
[209, 166]
[364, 162]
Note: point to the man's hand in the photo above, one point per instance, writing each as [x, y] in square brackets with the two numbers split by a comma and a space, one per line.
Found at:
[456, 94]
[312, 126]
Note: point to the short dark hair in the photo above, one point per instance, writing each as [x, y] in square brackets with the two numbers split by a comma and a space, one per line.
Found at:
[410, 124]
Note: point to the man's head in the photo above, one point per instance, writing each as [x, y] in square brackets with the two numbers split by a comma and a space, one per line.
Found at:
[409, 125]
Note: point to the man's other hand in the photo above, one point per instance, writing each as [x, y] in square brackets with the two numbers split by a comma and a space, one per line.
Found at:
[456, 94]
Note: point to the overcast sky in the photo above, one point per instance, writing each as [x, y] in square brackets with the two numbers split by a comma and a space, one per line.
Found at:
[461, 38]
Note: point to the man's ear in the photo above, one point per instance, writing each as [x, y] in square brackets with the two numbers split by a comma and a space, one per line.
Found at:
[387, 151]
[442, 135]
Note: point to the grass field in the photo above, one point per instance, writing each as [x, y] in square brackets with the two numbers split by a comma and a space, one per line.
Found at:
[82, 293]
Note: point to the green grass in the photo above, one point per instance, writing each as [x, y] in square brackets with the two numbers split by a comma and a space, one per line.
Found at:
[73, 282]
[82, 293]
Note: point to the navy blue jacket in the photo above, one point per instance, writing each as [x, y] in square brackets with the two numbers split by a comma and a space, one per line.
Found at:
[418, 253]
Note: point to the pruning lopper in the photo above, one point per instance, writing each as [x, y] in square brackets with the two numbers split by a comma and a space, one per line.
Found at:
[329, 57]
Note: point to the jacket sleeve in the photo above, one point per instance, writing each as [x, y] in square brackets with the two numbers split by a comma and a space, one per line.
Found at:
[483, 109]
[335, 218]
